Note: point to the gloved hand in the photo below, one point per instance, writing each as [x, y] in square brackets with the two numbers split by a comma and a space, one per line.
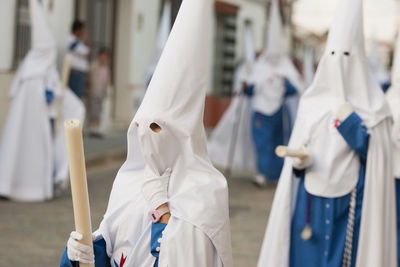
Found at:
[77, 251]
[155, 189]
[342, 110]
[302, 163]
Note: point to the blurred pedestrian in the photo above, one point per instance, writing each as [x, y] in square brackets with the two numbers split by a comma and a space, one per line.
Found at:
[99, 89]
[277, 85]
[335, 201]
[231, 144]
[33, 156]
[78, 49]
[168, 205]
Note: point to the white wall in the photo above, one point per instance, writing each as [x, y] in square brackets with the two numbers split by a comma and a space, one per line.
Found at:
[7, 30]
[136, 35]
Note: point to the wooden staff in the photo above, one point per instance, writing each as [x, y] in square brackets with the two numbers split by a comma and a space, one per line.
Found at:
[64, 86]
[284, 151]
[80, 196]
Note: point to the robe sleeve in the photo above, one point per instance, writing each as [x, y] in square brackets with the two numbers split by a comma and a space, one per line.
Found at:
[100, 255]
[290, 88]
[355, 134]
[157, 230]
[188, 246]
[249, 91]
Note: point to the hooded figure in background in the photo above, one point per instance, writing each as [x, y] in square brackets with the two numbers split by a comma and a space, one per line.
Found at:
[164, 30]
[393, 98]
[275, 95]
[231, 144]
[335, 204]
[376, 67]
[308, 66]
[167, 172]
[32, 158]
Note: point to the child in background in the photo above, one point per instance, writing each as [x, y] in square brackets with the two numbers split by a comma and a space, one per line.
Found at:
[98, 90]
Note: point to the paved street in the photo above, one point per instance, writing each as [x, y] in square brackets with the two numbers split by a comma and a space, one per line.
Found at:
[36, 234]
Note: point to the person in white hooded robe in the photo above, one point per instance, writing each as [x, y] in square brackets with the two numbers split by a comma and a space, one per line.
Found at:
[167, 168]
[276, 87]
[340, 209]
[376, 67]
[393, 98]
[33, 156]
[231, 145]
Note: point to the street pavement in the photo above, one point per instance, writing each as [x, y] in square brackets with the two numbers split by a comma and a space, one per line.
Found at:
[35, 234]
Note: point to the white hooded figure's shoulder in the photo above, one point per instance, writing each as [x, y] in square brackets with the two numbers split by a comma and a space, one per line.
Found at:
[177, 251]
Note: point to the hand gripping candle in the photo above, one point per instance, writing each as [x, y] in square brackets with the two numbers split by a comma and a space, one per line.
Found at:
[80, 196]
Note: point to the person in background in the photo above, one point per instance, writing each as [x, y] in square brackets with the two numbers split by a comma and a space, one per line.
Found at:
[99, 84]
[275, 91]
[340, 210]
[79, 51]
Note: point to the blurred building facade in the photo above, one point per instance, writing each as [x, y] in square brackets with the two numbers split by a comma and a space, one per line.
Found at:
[128, 29]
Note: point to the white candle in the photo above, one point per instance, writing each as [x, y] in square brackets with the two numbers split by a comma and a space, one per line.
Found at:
[284, 151]
[80, 196]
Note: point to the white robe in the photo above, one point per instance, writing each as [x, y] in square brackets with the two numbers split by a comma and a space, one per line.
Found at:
[236, 118]
[126, 228]
[30, 160]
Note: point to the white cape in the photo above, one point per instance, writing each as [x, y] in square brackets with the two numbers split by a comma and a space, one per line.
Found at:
[236, 118]
[31, 162]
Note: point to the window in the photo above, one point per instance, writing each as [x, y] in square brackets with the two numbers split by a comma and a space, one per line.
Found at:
[23, 32]
[225, 43]
[99, 17]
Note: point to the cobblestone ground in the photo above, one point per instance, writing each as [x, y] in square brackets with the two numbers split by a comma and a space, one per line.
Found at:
[36, 234]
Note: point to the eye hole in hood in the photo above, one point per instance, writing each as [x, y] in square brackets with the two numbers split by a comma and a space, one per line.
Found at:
[155, 127]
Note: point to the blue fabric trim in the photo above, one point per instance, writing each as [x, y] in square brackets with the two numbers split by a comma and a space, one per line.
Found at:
[156, 233]
[290, 88]
[355, 134]
[100, 255]
[49, 96]
[74, 45]
[267, 134]
[77, 83]
[249, 91]
[385, 86]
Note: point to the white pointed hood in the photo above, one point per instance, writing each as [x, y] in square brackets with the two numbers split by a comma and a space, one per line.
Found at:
[42, 38]
[164, 30]
[40, 60]
[375, 65]
[273, 65]
[174, 100]
[274, 45]
[343, 74]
